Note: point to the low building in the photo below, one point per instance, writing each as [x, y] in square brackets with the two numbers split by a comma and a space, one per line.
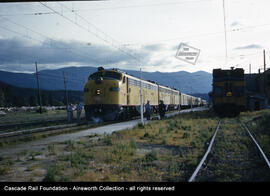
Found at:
[265, 84]
[255, 94]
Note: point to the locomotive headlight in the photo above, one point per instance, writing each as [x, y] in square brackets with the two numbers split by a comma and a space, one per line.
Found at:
[229, 94]
[98, 92]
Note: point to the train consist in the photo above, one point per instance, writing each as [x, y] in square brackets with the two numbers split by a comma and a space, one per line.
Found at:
[113, 94]
[228, 92]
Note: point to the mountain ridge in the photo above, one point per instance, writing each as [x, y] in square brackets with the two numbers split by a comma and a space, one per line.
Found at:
[190, 83]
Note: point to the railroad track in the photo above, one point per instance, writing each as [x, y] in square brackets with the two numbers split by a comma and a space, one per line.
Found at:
[17, 133]
[29, 132]
[57, 128]
[30, 123]
[210, 147]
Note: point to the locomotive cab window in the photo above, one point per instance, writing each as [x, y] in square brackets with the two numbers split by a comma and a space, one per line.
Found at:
[95, 76]
[112, 75]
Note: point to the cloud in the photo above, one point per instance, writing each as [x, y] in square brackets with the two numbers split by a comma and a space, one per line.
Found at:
[154, 47]
[15, 52]
[176, 47]
[161, 62]
[235, 24]
[250, 46]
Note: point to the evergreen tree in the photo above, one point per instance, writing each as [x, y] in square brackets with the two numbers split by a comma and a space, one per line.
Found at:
[2, 98]
[18, 101]
[8, 96]
[51, 100]
[44, 99]
[32, 101]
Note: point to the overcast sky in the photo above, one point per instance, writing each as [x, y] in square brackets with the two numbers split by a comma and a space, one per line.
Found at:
[129, 34]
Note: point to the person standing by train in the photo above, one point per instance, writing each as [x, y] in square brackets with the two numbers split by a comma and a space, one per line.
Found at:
[161, 109]
[69, 112]
[79, 110]
[147, 110]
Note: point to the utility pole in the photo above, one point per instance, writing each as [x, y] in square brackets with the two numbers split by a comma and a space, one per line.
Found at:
[141, 97]
[264, 63]
[65, 88]
[39, 94]
[264, 69]
[249, 68]
[225, 33]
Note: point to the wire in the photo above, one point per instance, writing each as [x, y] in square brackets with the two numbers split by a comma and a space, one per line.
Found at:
[25, 36]
[28, 37]
[149, 5]
[106, 8]
[38, 40]
[58, 76]
[87, 29]
[91, 24]
[28, 14]
[199, 35]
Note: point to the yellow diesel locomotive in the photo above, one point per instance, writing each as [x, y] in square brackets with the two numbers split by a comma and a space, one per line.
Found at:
[113, 94]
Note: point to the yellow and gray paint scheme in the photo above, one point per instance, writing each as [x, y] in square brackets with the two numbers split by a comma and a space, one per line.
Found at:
[112, 94]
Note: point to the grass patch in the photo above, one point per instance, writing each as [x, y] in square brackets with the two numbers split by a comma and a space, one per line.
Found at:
[118, 156]
[52, 171]
[162, 150]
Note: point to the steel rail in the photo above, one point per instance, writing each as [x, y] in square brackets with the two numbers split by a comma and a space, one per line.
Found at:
[8, 134]
[30, 123]
[35, 130]
[205, 155]
[258, 146]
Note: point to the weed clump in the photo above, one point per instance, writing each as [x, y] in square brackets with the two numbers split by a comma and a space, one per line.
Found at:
[146, 135]
[107, 140]
[150, 157]
[140, 125]
[70, 145]
[52, 172]
[186, 135]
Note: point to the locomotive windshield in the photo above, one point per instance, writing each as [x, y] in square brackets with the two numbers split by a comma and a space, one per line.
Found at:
[105, 75]
[95, 76]
[112, 75]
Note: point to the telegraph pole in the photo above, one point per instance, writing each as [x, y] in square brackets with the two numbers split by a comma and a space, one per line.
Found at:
[141, 98]
[39, 94]
[264, 63]
[65, 88]
[225, 33]
[264, 69]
